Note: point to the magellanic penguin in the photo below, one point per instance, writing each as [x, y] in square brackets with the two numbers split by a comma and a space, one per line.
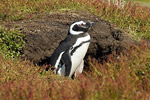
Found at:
[68, 56]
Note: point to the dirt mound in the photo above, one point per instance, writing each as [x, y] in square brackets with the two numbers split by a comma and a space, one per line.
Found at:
[45, 33]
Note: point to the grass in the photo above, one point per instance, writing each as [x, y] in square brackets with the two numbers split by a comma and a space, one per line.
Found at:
[142, 2]
[146, 3]
[125, 77]
[23, 9]
[133, 17]
[139, 0]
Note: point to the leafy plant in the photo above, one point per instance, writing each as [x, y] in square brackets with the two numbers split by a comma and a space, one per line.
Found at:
[11, 42]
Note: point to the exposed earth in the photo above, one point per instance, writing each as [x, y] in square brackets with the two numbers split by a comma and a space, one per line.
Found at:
[45, 32]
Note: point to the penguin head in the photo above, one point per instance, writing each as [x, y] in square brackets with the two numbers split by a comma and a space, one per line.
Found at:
[79, 27]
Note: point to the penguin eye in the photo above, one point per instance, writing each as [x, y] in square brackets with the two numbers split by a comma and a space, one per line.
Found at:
[81, 24]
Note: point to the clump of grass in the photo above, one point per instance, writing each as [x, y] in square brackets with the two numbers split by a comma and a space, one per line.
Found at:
[11, 42]
[14, 10]
[127, 77]
[131, 17]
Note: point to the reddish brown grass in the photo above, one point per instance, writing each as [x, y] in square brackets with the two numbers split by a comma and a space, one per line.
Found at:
[125, 78]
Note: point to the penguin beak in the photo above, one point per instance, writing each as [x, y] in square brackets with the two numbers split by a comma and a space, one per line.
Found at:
[89, 24]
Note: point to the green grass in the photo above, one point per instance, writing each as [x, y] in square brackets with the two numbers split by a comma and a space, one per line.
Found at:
[139, 0]
[23, 9]
[142, 2]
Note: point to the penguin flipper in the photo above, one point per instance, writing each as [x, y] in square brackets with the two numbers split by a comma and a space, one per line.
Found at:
[67, 62]
[63, 47]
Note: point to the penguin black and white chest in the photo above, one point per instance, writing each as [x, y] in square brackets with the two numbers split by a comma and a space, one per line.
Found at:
[68, 56]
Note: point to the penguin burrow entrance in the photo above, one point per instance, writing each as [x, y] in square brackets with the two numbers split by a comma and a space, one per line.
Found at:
[45, 32]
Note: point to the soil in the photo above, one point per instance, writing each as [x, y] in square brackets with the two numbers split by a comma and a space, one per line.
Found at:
[45, 32]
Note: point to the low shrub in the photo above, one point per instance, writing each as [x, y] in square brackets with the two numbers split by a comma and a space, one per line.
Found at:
[11, 42]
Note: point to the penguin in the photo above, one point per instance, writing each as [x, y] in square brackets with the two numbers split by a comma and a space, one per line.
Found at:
[68, 57]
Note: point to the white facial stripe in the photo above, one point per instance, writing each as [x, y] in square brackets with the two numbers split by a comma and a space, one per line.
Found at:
[58, 60]
[75, 32]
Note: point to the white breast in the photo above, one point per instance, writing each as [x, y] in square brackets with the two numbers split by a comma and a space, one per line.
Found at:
[79, 54]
